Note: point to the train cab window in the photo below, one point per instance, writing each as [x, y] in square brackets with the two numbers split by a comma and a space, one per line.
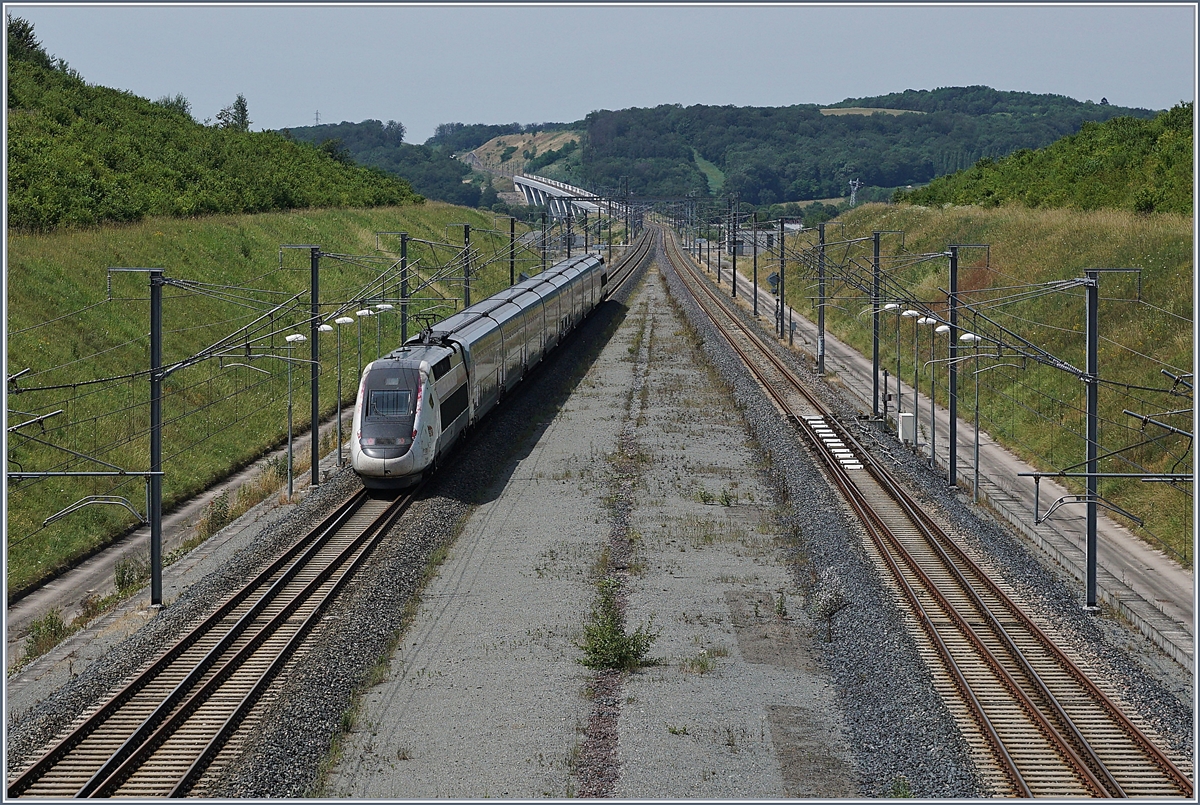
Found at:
[390, 403]
[391, 393]
[441, 367]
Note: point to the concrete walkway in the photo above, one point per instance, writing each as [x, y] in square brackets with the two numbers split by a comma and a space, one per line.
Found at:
[1145, 585]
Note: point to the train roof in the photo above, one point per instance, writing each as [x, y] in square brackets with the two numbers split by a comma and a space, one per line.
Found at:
[554, 276]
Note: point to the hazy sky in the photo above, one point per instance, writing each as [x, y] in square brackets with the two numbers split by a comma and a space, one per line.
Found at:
[491, 63]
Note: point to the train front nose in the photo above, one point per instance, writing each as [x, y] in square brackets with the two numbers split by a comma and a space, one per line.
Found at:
[385, 438]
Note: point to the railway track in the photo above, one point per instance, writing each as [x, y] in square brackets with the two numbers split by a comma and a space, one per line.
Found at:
[1049, 730]
[624, 270]
[158, 734]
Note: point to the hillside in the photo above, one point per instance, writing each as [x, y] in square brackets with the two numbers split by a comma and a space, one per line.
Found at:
[70, 324]
[1124, 163]
[81, 155]
[526, 151]
[433, 172]
[457, 138]
[1036, 410]
[805, 152]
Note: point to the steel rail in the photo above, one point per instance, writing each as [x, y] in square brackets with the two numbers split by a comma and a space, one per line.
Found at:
[346, 564]
[198, 675]
[1087, 770]
[629, 263]
[53, 755]
[1152, 751]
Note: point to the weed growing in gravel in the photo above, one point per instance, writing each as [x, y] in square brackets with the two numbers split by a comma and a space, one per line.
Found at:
[780, 607]
[728, 498]
[828, 599]
[677, 730]
[900, 788]
[45, 633]
[705, 496]
[702, 663]
[606, 644]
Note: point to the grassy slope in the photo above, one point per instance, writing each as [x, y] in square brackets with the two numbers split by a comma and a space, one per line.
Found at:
[60, 274]
[715, 176]
[1137, 340]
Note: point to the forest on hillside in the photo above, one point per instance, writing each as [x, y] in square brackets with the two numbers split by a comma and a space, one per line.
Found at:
[433, 172]
[81, 155]
[797, 153]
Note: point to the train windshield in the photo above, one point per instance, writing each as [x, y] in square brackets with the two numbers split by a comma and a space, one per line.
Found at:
[390, 404]
[391, 393]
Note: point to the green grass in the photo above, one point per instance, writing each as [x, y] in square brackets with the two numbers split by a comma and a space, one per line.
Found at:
[1018, 406]
[714, 175]
[64, 326]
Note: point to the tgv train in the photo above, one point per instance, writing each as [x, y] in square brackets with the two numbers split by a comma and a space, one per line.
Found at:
[415, 402]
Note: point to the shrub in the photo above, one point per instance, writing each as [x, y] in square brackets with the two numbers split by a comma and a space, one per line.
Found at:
[606, 644]
[130, 573]
[45, 633]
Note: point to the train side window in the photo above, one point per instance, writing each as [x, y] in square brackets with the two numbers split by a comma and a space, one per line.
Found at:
[441, 367]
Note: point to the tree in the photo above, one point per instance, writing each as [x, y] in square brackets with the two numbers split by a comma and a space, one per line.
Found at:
[235, 116]
[24, 46]
[177, 103]
[488, 196]
[393, 132]
[334, 149]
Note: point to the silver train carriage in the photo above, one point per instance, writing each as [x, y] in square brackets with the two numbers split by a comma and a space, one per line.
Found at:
[415, 402]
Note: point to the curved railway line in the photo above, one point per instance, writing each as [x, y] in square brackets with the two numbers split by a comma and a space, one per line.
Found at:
[160, 732]
[1050, 730]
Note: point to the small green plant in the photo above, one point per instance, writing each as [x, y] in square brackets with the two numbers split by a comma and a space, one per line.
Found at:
[606, 644]
[676, 730]
[217, 517]
[900, 788]
[780, 606]
[45, 633]
[702, 663]
[828, 599]
[277, 466]
[728, 499]
[705, 496]
[130, 573]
